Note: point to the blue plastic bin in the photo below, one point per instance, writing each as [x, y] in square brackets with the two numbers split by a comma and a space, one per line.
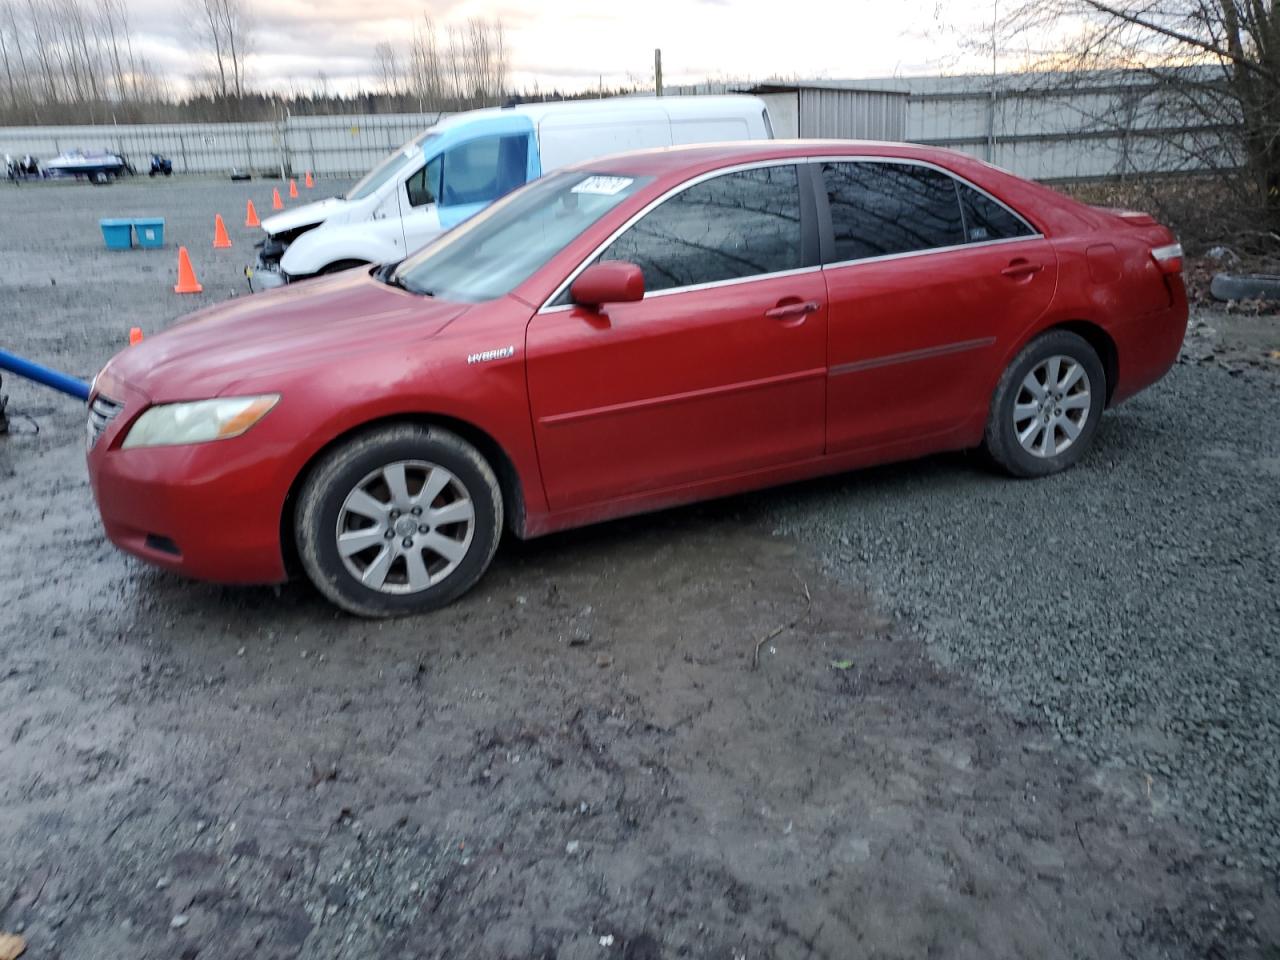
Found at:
[150, 232]
[117, 233]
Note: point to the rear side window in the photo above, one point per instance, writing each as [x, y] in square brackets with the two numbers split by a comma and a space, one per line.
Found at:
[735, 225]
[879, 209]
[985, 219]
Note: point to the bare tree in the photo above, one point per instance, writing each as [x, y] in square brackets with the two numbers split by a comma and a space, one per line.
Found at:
[387, 68]
[226, 32]
[1194, 84]
[469, 68]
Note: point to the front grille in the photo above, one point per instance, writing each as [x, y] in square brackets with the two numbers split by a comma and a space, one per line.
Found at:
[101, 412]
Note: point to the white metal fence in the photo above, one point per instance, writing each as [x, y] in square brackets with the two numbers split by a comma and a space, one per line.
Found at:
[328, 146]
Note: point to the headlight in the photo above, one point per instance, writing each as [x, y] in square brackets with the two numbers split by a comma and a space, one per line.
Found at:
[199, 422]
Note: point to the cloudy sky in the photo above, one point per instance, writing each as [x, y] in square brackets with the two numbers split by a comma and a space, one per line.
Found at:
[574, 44]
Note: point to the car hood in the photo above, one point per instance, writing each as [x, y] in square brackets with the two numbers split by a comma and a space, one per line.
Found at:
[301, 216]
[243, 343]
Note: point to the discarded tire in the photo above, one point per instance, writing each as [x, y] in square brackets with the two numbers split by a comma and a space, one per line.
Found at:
[1246, 286]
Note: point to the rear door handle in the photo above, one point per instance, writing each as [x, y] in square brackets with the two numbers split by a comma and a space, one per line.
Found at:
[791, 311]
[1021, 268]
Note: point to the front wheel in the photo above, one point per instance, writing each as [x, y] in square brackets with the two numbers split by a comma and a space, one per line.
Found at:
[401, 520]
[1047, 406]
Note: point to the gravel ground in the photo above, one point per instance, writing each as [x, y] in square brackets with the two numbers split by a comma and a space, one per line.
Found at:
[578, 759]
[1132, 603]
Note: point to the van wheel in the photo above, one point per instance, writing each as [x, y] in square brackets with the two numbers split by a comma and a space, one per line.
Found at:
[1047, 406]
[401, 520]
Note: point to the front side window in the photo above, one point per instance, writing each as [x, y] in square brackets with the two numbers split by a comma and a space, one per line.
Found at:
[735, 225]
[424, 186]
[481, 171]
[879, 209]
[491, 254]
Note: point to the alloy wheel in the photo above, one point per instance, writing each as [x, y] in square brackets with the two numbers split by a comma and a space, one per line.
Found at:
[405, 527]
[1052, 406]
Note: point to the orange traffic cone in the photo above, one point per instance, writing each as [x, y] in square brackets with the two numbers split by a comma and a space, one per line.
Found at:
[251, 216]
[187, 282]
[276, 202]
[293, 189]
[220, 239]
[309, 181]
[135, 336]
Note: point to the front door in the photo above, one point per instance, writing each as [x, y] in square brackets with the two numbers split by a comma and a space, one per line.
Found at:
[720, 370]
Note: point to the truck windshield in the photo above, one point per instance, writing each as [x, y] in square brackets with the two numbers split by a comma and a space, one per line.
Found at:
[385, 170]
[491, 254]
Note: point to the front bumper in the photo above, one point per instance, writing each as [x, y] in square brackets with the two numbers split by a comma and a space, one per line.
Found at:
[210, 511]
[265, 277]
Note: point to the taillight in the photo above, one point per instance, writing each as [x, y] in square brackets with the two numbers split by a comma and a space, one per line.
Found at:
[1168, 258]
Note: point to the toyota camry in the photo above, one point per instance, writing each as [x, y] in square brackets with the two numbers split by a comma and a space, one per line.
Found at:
[633, 333]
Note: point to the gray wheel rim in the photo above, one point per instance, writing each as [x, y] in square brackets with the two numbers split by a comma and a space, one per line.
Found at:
[1052, 406]
[405, 527]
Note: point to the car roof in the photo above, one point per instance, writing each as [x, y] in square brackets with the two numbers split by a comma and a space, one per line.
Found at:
[688, 159]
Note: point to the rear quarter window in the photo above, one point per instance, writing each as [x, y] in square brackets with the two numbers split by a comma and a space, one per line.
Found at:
[987, 219]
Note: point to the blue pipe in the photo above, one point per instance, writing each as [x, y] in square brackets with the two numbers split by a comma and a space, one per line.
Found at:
[50, 378]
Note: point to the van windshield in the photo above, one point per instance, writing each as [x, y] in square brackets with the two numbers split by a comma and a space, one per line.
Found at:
[388, 168]
[494, 252]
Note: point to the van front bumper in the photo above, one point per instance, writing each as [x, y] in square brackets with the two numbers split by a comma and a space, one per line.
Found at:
[263, 277]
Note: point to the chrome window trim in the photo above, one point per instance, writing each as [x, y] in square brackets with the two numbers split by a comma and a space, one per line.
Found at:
[635, 218]
[930, 250]
[781, 162]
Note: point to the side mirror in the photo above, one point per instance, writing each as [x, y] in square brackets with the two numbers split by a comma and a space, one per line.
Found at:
[613, 281]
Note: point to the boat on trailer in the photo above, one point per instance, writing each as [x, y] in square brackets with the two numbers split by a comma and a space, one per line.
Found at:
[99, 166]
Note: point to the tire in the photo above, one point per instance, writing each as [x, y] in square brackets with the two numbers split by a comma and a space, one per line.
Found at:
[1249, 286]
[1018, 437]
[366, 582]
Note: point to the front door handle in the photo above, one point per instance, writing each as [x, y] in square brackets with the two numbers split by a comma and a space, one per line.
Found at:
[791, 311]
[1021, 268]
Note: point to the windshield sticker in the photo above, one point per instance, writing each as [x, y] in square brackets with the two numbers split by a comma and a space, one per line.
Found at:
[603, 186]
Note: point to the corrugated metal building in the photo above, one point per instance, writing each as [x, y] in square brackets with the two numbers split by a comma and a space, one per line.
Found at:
[835, 111]
[1047, 126]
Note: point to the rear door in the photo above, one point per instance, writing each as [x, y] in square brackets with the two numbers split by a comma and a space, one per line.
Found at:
[929, 280]
[719, 370]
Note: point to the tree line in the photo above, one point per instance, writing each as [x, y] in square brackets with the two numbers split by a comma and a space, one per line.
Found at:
[71, 61]
[75, 61]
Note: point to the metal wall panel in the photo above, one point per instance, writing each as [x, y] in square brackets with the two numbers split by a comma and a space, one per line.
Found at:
[852, 114]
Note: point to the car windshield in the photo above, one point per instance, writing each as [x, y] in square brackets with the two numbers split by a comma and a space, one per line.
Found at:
[494, 252]
[389, 166]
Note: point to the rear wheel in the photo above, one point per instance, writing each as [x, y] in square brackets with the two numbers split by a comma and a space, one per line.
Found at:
[401, 520]
[1047, 406]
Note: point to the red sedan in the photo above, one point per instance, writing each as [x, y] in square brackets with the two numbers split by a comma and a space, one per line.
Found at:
[630, 334]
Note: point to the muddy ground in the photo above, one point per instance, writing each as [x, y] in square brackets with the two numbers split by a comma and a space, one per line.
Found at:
[580, 759]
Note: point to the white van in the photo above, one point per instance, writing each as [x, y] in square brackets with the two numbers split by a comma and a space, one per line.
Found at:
[465, 162]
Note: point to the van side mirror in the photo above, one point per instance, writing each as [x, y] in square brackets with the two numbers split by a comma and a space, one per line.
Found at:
[613, 281]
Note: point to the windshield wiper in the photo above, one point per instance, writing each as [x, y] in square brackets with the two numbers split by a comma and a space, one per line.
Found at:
[387, 274]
